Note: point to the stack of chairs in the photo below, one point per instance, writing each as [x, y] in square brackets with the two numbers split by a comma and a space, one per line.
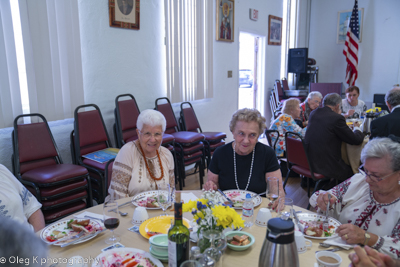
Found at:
[62, 189]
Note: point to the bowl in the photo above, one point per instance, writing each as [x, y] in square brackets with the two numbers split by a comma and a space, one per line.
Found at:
[240, 233]
[159, 241]
[158, 252]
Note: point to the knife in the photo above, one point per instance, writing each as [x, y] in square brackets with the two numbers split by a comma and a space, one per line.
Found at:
[82, 237]
[126, 203]
[223, 194]
[299, 225]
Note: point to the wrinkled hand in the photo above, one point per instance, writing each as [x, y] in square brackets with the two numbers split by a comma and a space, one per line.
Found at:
[322, 200]
[356, 124]
[210, 185]
[351, 234]
[369, 257]
[350, 112]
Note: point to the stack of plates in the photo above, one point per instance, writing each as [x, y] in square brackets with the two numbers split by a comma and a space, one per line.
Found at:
[159, 247]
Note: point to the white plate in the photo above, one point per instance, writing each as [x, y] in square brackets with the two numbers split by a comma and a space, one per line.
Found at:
[61, 225]
[107, 258]
[316, 217]
[241, 195]
[143, 197]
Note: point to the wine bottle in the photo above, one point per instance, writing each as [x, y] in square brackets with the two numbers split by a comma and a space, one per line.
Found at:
[178, 238]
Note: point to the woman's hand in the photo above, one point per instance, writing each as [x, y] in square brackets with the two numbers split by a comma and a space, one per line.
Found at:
[322, 200]
[351, 234]
[369, 257]
[210, 185]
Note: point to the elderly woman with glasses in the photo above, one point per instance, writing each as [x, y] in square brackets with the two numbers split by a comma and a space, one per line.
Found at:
[368, 204]
[143, 164]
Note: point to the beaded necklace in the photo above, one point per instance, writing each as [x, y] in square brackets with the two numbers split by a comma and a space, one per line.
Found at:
[234, 164]
[147, 166]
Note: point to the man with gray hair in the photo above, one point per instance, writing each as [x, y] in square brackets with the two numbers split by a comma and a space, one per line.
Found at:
[389, 124]
[312, 102]
[326, 131]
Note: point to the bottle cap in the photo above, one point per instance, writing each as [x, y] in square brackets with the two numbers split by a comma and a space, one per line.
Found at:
[248, 195]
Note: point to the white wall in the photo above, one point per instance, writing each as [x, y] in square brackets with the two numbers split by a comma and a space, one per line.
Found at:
[379, 51]
[117, 61]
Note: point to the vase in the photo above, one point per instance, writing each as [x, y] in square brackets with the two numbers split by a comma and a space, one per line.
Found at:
[213, 244]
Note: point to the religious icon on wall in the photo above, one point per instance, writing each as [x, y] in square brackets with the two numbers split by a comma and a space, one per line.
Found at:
[225, 20]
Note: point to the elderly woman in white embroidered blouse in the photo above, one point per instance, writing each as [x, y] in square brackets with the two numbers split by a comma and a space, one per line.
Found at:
[143, 164]
[368, 204]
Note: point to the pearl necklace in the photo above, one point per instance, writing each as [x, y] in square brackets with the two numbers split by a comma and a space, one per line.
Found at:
[234, 164]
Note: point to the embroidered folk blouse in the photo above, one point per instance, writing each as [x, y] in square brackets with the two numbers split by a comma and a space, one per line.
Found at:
[130, 176]
[356, 205]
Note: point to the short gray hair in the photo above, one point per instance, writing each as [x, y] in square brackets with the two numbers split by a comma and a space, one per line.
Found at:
[393, 96]
[248, 115]
[313, 94]
[289, 105]
[20, 241]
[381, 148]
[332, 100]
[151, 118]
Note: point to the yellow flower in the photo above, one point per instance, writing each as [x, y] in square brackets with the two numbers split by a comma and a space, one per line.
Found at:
[188, 207]
[227, 216]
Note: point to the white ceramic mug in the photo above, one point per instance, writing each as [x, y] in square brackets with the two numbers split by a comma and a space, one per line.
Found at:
[263, 217]
[301, 242]
[139, 215]
[320, 260]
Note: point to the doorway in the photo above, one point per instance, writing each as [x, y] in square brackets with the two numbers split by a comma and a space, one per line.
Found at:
[248, 70]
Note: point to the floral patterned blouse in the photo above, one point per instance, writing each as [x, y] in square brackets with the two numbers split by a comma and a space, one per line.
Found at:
[284, 123]
[356, 205]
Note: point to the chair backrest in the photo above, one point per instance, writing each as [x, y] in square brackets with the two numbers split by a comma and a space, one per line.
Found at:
[33, 145]
[189, 118]
[285, 84]
[281, 94]
[126, 114]
[326, 88]
[268, 135]
[296, 151]
[90, 131]
[168, 112]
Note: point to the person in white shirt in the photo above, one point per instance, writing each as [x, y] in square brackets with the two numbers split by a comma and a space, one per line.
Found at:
[17, 203]
[352, 107]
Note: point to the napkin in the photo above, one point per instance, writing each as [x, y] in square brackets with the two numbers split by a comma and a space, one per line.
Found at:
[339, 242]
[91, 214]
[188, 196]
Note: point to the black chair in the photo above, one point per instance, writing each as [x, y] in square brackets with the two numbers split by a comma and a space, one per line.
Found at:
[61, 188]
[379, 100]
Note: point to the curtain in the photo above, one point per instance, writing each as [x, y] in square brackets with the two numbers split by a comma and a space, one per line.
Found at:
[189, 49]
[10, 99]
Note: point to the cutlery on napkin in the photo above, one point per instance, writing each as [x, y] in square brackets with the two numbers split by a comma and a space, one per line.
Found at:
[82, 237]
[91, 215]
[339, 242]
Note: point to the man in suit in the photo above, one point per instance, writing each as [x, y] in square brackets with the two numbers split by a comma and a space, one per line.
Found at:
[326, 131]
[389, 124]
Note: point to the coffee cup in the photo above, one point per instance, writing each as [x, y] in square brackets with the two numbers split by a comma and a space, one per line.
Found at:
[301, 242]
[263, 217]
[328, 259]
[139, 215]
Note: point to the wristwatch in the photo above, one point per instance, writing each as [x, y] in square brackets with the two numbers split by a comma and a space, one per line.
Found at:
[367, 237]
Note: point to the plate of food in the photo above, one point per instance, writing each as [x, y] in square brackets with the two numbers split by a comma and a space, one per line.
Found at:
[238, 197]
[313, 225]
[126, 257]
[148, 199]
[61, 232]
[158, 225]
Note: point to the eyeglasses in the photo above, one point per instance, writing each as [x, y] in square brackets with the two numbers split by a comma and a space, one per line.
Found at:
[317, 102]
[373, 177]
[148, 135]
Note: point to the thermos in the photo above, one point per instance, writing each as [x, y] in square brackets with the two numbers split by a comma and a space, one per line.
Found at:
[366, 125]
[279, 248]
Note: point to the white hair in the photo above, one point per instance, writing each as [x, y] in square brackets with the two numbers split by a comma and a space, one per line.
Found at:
[313, 94]
[381, 148]
[152, 118]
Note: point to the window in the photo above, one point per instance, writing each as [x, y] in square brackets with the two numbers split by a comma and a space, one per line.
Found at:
[189, 52]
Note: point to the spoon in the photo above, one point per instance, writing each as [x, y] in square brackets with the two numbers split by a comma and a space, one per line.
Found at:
[325, 245]
[123, 213]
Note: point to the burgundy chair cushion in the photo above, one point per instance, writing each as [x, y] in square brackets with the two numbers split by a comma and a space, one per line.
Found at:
[188, 138]
[133, 138]
[187, 150]
[51, 215]
[93, 147]
[169, 147]
[56, 190]
[26, 166]
[306, 172]
[169, 115]
[91, 128]
[58, 201]
[295, 153]
[216, 145]
[54, 173]
[167, 138]
[190, 118]
[129, 113]
[214, 135]
[95, 164]
[197, 154]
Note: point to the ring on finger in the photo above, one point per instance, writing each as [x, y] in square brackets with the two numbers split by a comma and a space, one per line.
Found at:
[346, 236]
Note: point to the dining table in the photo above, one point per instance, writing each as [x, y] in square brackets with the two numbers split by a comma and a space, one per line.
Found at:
[90, 249]
[351, 154]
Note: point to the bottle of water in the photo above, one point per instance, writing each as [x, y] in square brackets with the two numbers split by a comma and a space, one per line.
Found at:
[248, 210]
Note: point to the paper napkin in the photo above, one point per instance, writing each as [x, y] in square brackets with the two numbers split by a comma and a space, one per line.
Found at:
[339, 242]
[90, 214]
[188, 196]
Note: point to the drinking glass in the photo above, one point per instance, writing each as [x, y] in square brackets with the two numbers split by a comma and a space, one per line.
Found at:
[111, 219]
[191, 263]
[285, 208]
[164, 197]
[272, 192]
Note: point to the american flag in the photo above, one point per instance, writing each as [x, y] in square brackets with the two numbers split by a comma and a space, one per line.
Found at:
[351, 47]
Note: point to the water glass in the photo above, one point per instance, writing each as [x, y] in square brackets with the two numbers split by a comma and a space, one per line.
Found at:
[164, 197]
[285, 208]
[191, 263]
[272, 192]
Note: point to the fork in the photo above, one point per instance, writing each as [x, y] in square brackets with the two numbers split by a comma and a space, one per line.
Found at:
[331, 250]
[94, 218]
[70, 237]
[325, 224]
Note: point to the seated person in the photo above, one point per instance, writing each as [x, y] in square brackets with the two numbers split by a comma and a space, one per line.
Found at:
[17, 203]
[312, 102]
[352, 107]
[388, 124]
[369, 257]
[19, 246]
[285, 123]
[143, 164]
[326, 131]
[368, 204]
[244, 164]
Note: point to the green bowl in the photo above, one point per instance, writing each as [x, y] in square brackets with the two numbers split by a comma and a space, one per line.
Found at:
[160, 241]
[159, 253]
[240, 233]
